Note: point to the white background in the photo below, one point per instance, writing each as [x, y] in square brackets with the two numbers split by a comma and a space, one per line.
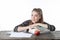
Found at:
[14, 12]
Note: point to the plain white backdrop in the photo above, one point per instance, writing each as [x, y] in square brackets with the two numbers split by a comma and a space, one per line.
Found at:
[14, 12]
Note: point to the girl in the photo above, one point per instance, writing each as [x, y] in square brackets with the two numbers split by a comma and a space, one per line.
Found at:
[36, 19]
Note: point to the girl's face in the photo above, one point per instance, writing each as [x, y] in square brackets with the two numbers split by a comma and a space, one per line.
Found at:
[35, 17]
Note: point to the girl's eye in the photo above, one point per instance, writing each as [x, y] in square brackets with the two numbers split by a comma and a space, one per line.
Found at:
[36, 15]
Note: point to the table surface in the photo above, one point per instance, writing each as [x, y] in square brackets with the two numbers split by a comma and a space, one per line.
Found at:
[50, 35]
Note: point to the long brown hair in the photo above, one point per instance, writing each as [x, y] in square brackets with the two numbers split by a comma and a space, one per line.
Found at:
[39, 11]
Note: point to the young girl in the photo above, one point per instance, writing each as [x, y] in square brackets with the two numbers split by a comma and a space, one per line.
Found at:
[36, 19]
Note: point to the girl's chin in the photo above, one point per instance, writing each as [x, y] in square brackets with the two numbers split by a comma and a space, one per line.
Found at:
[33, 21]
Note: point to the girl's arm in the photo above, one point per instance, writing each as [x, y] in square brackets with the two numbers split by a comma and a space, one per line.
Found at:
[48, 26]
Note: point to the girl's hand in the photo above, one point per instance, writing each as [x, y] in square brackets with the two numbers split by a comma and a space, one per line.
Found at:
[32, 26]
